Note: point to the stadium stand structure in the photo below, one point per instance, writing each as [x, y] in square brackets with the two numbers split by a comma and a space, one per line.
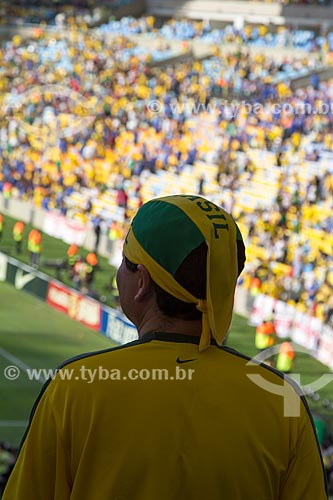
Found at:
[242, 11]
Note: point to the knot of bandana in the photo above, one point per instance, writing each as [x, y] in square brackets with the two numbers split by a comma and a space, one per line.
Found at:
[202, 306]
[165, 230]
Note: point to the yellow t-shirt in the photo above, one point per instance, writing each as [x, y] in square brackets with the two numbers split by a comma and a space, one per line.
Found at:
[209, 431]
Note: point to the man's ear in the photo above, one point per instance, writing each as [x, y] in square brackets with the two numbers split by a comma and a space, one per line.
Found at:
[144, 283]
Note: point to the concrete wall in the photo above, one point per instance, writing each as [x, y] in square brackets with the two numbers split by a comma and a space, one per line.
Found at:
[252, 12]
[136, 8]
[303, 81]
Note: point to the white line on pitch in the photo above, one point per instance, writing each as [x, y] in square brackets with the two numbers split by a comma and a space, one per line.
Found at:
[13, 423]
[16, 361]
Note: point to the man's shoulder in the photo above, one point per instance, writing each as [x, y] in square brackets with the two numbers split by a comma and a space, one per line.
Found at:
[93, 357]
[254, 367]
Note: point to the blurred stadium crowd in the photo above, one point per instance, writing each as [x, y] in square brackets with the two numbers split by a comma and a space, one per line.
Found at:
[94, 123]
[92, 127]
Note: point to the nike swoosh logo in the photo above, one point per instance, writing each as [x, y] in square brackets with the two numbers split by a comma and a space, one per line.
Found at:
[22, 279]
[178, 360]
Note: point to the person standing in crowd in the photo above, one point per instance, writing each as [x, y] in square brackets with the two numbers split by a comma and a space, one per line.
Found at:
[97, 231]
[35, 247]
[18, 231]
[92, 263]
[265, 336]
[72, 257]
[114, 234]
[115, 292]
[122, 198]
[189, 433]
[7, 193]
[79, 276]
[254, 290]
[285, 357]
[1, 226]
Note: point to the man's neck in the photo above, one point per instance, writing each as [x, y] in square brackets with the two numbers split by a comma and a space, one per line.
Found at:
[192, 327]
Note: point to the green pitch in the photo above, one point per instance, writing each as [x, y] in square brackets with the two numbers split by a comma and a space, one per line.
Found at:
[39, 337]
[35, 335]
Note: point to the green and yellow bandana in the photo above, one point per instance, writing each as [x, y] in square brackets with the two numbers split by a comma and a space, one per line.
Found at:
[165, 230]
